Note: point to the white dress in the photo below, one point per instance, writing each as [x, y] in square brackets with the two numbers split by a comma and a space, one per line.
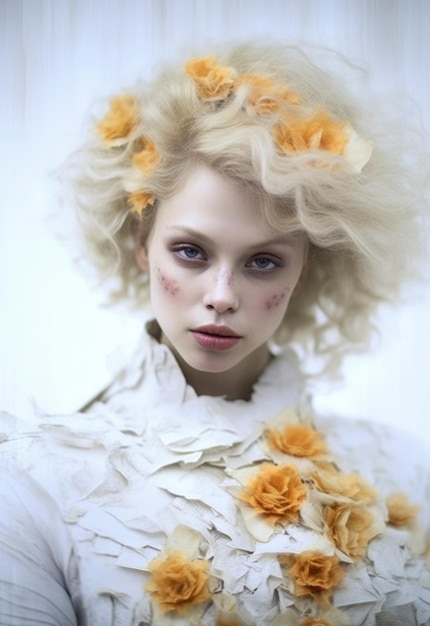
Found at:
[152, 471]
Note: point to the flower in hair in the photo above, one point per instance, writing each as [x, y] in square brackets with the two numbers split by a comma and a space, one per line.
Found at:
[213, 81]
[120, 121]
[147, 158]
[320, 132]
[264, 95]
[139, 200]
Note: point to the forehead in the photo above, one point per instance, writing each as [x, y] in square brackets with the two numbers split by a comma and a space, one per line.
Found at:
[212, 203]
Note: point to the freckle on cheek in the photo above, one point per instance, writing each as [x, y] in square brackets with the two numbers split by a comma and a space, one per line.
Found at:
[169, 285]
[273, 301]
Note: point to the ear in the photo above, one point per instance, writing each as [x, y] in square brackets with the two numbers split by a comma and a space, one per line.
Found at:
[141, 254]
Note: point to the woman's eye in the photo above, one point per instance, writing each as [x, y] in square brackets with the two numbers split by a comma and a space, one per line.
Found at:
[188, 253]
[262, 263]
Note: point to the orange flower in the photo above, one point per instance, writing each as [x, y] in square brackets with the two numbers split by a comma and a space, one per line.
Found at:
[400, 511]
[213, 82]
[351, 486]
[318, 132]
[350, 528]
[139, 200]
[147, 158]
[177, 584]
[314, 574]
[277, 492]
[312, 621]
[265, 96]
[297, 440]
[120, 121]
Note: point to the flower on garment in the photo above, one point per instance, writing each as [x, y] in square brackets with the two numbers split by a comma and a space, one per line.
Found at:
[178, 583]
[120, 121]
[312, 621]
[212, 81]
[400, 511]
[314, 574]
[298, 440]
[139, 200]
[330, 481]
[321, 132]
[230, 621]
[321, 617]
[227, 612]
[147, 158]
[264, 95]
[277, 492]
[351, 528]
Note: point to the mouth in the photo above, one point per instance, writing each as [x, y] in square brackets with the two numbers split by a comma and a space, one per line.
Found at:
[213, 337]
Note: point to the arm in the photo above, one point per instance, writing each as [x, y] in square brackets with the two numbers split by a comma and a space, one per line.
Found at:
[38, 567]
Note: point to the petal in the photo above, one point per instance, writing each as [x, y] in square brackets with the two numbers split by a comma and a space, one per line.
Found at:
[358, 150]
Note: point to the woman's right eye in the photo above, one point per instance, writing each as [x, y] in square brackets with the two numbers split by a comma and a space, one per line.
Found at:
[188, 253]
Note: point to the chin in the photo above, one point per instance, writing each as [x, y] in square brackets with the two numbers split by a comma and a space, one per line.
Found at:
[212, 363]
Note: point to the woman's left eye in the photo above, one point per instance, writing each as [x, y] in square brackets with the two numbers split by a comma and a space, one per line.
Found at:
[263, 263]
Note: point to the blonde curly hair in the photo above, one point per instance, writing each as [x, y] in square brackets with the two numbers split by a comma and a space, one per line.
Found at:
[362, 224]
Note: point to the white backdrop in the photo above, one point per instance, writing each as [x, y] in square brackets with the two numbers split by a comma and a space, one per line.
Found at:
[58, 55]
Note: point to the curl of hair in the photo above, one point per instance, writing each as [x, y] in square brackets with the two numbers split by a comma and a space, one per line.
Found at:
[363, 230]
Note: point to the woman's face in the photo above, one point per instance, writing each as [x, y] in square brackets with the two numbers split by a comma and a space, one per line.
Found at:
[220, 276]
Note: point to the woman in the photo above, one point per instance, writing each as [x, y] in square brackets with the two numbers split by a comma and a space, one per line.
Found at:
[246, 194]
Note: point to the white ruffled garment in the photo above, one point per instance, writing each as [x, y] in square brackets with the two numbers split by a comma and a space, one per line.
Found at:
[152, 471]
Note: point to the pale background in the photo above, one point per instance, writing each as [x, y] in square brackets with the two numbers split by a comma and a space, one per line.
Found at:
[56, 57]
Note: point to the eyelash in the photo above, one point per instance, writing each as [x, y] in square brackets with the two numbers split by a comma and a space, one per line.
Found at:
[178, 249]
[180, 252]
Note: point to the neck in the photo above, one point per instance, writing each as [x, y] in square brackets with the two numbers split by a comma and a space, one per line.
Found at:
[234, 384]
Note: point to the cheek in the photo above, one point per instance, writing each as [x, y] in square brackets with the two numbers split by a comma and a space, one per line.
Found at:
[167, 284]
[277, 299]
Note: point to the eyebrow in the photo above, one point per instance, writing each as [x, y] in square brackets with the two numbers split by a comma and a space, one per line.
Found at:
[282, 239]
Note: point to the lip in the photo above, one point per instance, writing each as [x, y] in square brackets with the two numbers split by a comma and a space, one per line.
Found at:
[213, 337]
[213, 329]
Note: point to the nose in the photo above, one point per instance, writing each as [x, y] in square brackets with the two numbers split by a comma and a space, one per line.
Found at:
[221, 293]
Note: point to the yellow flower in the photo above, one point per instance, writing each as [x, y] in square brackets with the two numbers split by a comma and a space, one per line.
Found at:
[277, 492]
[298, 440]
[352, 486]
[314, 574]
[400, 511]
[350, 528]
[147, 158]
[312, 621]
[177, 583]
[213, 82]
[318, 132]
[227, 612]
[139, 200]
[265, 96]
[120, 121]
